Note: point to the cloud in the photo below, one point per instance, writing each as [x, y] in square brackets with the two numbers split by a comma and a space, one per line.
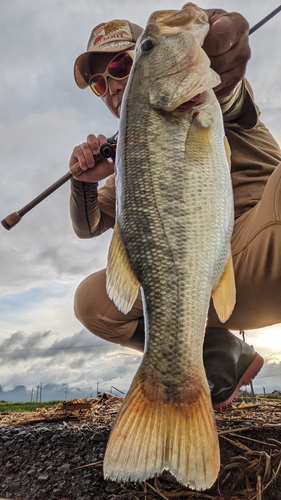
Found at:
[269, 378]
[43, 116]
[39, 345]
[78, 359]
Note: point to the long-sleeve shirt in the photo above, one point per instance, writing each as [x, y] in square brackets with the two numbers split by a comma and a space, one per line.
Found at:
[254, 156]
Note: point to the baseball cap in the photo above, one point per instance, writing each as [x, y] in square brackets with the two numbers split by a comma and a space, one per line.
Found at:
[114, 36]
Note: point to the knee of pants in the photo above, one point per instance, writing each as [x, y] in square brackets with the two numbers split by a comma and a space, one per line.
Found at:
[94, 309]
[89, 305]
[86, 303]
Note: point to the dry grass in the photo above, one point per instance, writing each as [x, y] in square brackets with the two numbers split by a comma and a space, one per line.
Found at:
[250, 441]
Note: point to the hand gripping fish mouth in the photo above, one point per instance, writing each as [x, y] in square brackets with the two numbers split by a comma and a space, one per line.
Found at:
[184, 75]
[174, 220]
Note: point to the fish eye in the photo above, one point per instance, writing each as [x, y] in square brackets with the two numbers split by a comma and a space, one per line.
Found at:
[147, 45]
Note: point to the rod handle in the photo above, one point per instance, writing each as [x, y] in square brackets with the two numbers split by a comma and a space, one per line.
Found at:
[107, 150]
[11, 220]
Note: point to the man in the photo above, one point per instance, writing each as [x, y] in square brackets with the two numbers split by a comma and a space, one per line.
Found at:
[229, 362]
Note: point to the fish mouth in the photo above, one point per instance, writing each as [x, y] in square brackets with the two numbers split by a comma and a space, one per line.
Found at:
[192, 103]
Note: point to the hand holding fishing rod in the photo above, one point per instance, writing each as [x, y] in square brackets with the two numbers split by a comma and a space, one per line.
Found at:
[107, 150]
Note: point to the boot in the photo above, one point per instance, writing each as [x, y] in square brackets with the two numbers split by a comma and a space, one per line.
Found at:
[229, 362]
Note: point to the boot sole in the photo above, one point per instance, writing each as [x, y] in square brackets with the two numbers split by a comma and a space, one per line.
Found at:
[252, 370]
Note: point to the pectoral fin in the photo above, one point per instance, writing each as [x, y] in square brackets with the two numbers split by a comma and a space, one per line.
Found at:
[227, 151]
[224, 296]
[121, 283]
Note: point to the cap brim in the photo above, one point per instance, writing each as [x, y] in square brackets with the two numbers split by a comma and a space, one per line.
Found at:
[81, 65]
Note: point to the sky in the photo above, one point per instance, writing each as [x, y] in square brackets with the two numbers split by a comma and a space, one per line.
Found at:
[43, 116]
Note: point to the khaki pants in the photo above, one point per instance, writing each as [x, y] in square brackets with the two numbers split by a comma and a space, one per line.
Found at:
[99, 314]
[256, 249]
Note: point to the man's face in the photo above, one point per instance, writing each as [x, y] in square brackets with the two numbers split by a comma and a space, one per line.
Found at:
[113, 98]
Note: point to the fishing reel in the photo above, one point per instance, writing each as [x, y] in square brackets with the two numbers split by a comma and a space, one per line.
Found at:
[108, 149]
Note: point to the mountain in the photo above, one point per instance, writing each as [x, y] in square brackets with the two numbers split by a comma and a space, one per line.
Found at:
[48, 392]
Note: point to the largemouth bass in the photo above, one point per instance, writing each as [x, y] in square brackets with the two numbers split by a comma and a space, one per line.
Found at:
[172, 237]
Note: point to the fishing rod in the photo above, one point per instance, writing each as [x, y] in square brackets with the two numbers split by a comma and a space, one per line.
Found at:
[264, 20]
[107, 150]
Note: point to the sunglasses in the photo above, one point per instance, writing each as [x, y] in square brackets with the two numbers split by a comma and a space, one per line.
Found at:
[118, 68]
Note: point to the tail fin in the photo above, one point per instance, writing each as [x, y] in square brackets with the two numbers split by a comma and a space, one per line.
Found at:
[151, 436]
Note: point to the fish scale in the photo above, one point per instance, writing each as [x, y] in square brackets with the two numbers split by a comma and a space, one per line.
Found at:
[174, 219]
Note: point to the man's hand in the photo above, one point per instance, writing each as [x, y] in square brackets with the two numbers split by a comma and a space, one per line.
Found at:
[228, 48]
[84, 154]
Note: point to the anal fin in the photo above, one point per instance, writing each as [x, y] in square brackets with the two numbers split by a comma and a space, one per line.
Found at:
[227, 151]
[224, 296]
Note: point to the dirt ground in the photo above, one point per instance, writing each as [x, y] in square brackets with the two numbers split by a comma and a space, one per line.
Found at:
[58, 454]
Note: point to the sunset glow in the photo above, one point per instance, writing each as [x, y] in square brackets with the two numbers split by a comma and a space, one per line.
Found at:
[270, 337]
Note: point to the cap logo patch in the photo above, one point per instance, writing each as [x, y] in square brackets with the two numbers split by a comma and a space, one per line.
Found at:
[109, 32]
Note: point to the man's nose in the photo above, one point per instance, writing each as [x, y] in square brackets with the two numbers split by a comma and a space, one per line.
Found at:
[115, 86]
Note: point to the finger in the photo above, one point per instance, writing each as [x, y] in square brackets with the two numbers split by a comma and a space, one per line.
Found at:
[84, 155]
[226, 30]
[96, 142]
[188, 4]
[229, 80]
[234, 60]
[101, 171]
[93, 143]
[225, 88]
[214, 14]
[102, 139]
[232, 65]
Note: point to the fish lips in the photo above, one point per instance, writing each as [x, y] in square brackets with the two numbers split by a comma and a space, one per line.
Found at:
[162, 97]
